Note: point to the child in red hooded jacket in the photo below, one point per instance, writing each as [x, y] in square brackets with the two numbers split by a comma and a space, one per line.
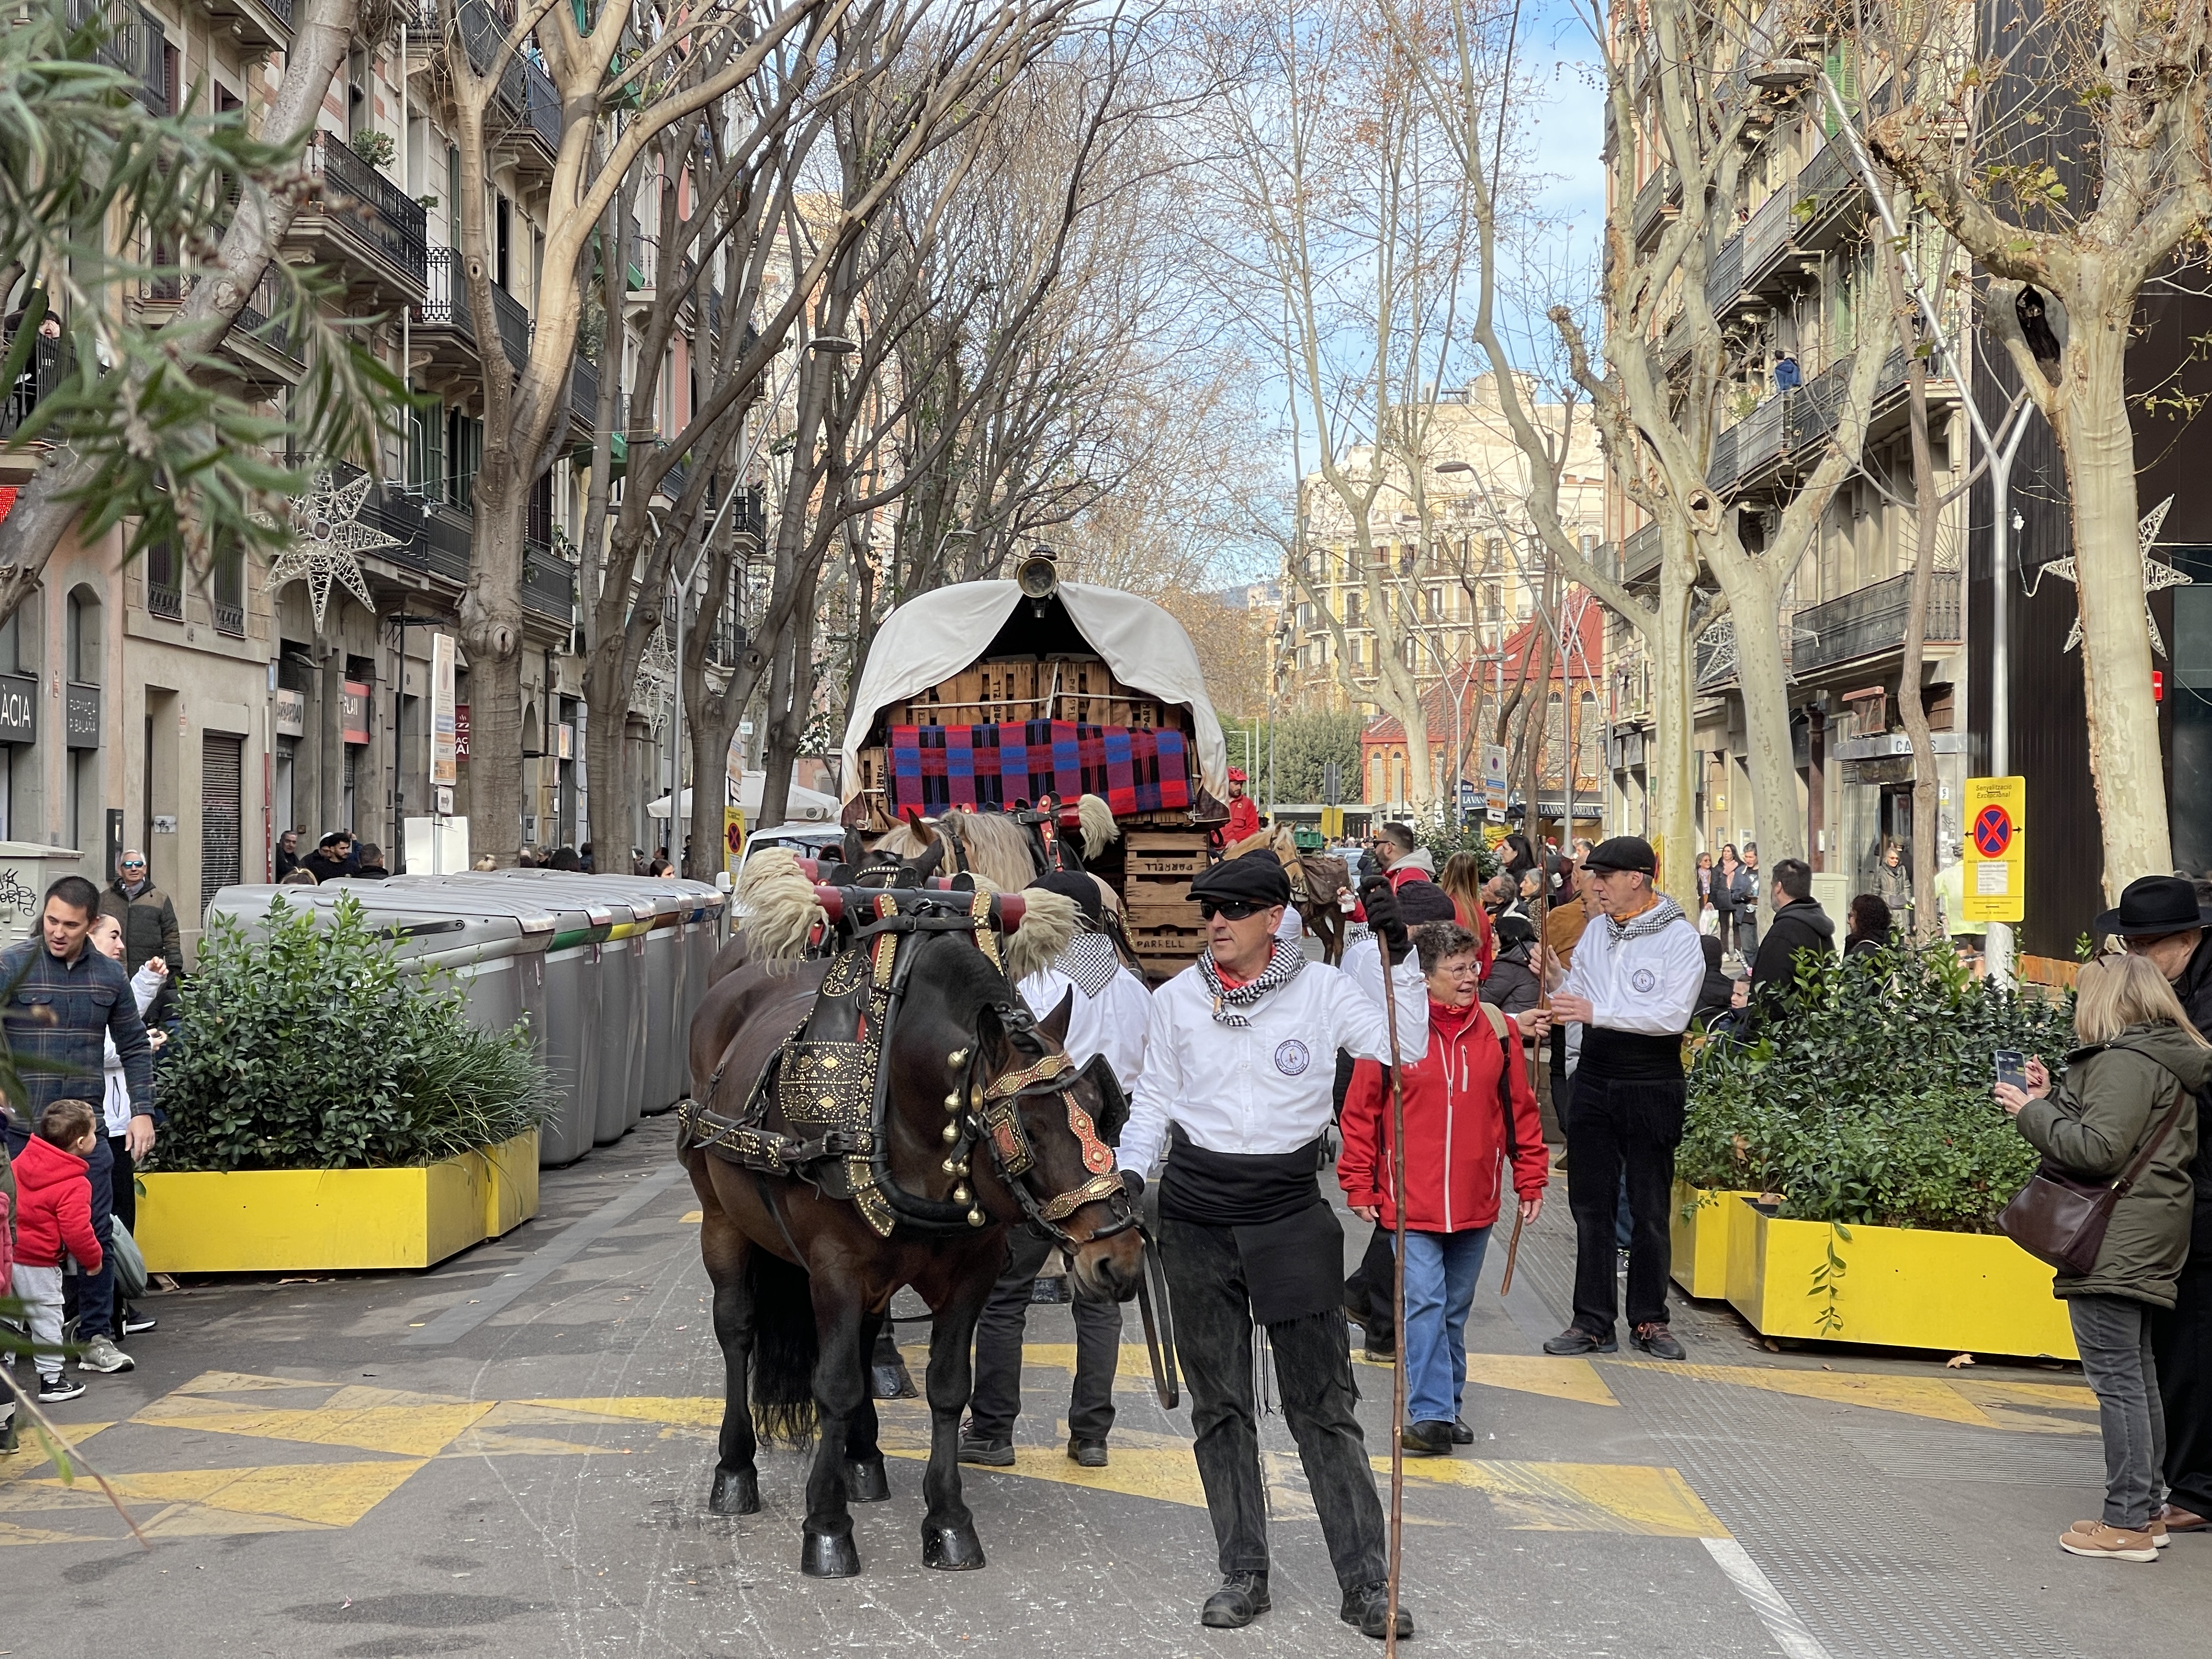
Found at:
[53, 1222]
[1470, 1113]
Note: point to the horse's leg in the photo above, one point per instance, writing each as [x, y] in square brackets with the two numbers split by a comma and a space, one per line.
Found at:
[723, 1245]
[948, 1530]
[841, 1388]
[865, 1481]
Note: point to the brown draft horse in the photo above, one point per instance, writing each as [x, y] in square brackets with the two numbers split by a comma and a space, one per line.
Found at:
[802, 1283]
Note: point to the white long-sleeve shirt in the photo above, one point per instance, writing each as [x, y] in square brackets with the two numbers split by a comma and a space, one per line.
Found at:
[115, 1105]
[1111, 1024]
[1648, 984]
[1267, 1086]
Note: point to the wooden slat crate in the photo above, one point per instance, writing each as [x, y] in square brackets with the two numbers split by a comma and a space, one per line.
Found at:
[1155, 903]
[1182, 944]
[1185, 855]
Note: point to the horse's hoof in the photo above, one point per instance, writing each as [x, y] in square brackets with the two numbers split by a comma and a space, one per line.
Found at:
[891, 1382]
[865, 1481]
[827, 1555]
[951, 1549]
[736, 1492]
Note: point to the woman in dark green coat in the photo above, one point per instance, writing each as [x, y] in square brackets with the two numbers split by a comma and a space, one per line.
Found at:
[2128, 1086]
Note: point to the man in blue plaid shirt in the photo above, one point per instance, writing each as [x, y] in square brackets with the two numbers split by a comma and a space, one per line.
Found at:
[63, 999]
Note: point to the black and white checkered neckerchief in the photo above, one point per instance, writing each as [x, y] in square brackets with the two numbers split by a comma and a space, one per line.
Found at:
[1090, 961]
[1285, 963]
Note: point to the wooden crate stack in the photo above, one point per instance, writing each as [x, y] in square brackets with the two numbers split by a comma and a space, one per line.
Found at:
[1163, 925]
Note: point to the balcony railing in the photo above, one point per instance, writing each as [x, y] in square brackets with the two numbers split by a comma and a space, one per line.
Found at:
[374, 209]
[514, 327]
[1661, 190]
[260, 318]
[134, 44]
[549, 584]
[167, 603]
[230, 619]
[583, 390]
[1639, 554]
[51, 362]
[1871, 620]
[448, 306]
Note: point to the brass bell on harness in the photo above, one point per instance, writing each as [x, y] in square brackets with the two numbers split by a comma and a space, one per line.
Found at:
[956, 1059]
[961, 1194]
[952, 1101]
[956, 1166]
[975, 1217]
[952, 1132]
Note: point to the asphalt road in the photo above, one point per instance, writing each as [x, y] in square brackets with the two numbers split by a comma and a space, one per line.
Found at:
[510, 1455]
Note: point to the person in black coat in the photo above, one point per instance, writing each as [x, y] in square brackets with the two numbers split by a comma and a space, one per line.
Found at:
[1799, 924]
[1870, 924]
[1718, 993]
[1510, 987]
[335, 856]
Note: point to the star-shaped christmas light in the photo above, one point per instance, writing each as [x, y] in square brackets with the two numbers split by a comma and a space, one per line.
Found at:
[2157, 574]
[656, 673]
[328, 541]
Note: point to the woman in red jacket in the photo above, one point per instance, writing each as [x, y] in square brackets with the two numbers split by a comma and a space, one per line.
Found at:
[1469, 1110]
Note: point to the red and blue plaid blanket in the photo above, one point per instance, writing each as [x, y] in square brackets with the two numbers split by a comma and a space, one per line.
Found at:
[998, 767]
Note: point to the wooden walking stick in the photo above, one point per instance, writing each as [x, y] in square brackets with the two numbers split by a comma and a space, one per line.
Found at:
[1397, 1305]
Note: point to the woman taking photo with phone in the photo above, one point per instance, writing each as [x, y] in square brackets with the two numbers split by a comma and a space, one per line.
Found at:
[2123, 1113]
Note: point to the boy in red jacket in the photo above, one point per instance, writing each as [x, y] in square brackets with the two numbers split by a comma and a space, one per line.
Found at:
[53, 1222]
[1469, 1110]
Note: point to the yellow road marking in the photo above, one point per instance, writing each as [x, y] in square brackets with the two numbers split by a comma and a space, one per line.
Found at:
[1627, 1498]
[1556, 1379]
[695, 1218]
[1912, 1397]
[284, 1495]
[404, 1430]
[30, 1460]
[701, 1413]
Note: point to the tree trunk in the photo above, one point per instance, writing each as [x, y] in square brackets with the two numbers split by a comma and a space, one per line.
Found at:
[491, 627]
[2124, 755]
[1667, 774]
[1764, 680]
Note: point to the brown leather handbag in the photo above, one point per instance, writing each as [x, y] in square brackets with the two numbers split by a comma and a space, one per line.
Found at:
[2060, 1220]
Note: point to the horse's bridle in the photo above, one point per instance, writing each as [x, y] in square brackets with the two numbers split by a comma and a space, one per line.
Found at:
[1000, 1117]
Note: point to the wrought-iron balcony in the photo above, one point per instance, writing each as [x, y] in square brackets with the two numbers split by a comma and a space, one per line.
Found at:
[1659, 197]
[264, 23]
[133, 42]
[51, 362]
[549, 584]
[447, 307]
[1639, 555]
[1869, 622]
[356, 218]
[258, 345]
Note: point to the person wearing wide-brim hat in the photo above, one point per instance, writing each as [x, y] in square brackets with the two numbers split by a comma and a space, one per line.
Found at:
[2166, 917]
[1239, 1074]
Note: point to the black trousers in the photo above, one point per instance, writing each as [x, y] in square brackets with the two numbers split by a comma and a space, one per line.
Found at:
[2182, 1341]
[1313, 1375]
[1615, 1127]
[997, 1400]
[1371, 1288]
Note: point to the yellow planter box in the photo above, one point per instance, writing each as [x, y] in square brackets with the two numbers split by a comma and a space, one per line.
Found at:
[1902, 1288]
[510, 1183]
[1701, 1238]
[320, 1221]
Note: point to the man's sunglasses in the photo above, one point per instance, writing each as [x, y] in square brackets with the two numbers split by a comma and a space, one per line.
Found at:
[1234, 909]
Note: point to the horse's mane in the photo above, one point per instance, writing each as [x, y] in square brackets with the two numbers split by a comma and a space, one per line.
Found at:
[992, 845]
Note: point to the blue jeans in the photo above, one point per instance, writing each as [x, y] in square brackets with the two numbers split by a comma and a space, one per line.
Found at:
[1440, 1269]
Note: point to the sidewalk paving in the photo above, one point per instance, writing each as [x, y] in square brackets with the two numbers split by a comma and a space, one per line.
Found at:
[437, 1463]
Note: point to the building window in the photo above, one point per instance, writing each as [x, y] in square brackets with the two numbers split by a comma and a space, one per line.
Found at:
[165, 584]
[229, 586]
[464, 455]
[426, 464]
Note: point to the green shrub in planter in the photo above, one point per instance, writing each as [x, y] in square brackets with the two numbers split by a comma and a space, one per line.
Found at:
[1871, 1105]
[311, 1047]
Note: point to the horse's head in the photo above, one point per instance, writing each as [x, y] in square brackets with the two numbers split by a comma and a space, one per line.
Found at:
[969, 1061]
[1071, 1185]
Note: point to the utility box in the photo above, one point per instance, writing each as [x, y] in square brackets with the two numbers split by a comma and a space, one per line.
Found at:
[28, 868]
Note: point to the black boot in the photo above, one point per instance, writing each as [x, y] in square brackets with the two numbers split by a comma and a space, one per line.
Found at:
[1427, 1439]
[1242, 1598]
[1368, 1608]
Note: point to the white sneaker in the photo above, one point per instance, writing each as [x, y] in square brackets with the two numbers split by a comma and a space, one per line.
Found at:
[58, 1387]
[100, 1354]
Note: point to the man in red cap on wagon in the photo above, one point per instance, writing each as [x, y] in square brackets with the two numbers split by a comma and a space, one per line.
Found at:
[1244, 812]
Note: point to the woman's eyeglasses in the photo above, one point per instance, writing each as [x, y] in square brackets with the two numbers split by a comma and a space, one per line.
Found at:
[1234, 909]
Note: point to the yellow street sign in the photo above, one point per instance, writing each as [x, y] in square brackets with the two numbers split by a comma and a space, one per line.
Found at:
[733, 837]
[1996, 885]
[1332, 822]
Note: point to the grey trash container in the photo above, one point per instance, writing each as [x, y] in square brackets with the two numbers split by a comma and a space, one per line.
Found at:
[621, 958]
[571, 1043]
[669, 994]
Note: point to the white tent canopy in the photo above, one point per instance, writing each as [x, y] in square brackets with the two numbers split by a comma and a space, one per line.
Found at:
[931, 638]
[805, 805]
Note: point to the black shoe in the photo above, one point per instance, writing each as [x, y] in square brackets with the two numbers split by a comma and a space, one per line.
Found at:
[1657, 1341]
[134, 1322]
[1242, 1598]
[1427, 1439]
[1462, 1435]
[1382, 1355]
[991, 1454]
[1087, 1453]
[1369, 1609]
[1576, 1340]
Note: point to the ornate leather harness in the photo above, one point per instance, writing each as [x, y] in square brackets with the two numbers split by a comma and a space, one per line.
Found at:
[830, 1086]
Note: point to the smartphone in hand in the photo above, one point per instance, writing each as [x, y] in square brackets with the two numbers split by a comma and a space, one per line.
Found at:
[2012, 1067]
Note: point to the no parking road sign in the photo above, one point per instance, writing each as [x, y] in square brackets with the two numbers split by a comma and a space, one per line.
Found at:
[1997, 853]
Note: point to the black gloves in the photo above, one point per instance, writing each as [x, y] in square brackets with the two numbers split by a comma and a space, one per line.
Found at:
[1382, 907]
[1135, 1185]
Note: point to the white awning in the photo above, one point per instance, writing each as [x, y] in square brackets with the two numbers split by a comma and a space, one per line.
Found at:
[932, 637]
[805, 805]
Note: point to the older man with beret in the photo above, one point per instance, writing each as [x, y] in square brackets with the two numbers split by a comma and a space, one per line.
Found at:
[1237, 1079]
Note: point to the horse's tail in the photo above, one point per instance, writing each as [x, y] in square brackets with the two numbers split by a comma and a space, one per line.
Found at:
[784, 1348]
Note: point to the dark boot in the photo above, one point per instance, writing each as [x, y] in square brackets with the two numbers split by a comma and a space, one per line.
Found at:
[1242, 1598]
[1369, 1609]
[1427, 1439]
